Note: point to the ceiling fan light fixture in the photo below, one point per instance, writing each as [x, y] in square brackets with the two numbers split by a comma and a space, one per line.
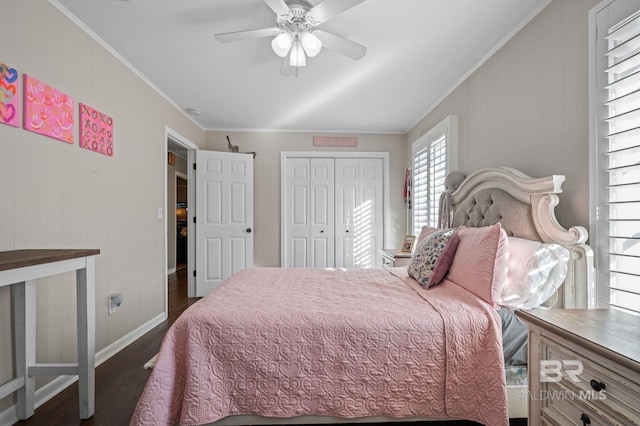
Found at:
[311, 44]
[281, 44]
[297, 58]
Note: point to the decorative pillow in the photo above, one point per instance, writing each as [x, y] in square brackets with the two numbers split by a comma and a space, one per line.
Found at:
[480, 264]
[424, 233]
[432, 258]
[536, 270]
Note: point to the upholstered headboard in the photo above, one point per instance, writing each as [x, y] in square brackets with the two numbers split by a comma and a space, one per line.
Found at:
[525, 208]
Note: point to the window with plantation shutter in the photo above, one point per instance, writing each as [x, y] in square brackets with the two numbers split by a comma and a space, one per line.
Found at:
[434, 155]
[616, 166]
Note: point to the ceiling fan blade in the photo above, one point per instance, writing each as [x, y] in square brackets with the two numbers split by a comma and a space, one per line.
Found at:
[327, 9]
[278, 6]
[340, 45]
[248, 34]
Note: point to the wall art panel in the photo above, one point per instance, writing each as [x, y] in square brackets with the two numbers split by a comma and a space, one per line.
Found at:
[9, 96]
[96, 130]
[47, 111]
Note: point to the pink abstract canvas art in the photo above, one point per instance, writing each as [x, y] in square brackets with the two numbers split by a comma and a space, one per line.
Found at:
[47, 111]
[9, 96]
[96, 130]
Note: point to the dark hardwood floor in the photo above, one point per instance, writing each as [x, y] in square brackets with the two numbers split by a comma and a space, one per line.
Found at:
[121, 379]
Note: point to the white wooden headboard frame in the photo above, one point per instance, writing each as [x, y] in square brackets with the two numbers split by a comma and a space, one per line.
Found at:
[525, 208]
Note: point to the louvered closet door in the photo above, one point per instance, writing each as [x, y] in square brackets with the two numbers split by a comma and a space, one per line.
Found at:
[359, 212]
[310, 213]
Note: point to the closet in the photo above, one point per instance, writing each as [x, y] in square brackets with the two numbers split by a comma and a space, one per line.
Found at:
[333, 210]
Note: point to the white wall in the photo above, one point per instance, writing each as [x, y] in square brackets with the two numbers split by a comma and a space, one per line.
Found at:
[269, 145]
[526, 107]
[56, 195]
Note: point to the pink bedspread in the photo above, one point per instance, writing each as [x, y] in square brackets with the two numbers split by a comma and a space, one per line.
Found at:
[289, 342]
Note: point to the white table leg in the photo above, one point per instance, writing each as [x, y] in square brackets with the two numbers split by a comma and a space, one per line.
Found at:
[24, 299]
[85, 282]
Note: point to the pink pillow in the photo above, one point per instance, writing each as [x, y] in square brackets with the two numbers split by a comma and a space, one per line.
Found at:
[481, 261]
[424, 233]
[433, 256]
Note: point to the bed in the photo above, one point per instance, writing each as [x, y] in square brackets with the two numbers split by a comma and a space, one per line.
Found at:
[277, 346]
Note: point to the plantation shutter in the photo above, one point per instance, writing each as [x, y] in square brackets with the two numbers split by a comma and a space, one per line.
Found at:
[429, 171]
[420, 190]
[620, 156]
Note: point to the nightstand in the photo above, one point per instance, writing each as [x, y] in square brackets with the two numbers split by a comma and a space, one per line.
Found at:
[394, 257]
[584, 367]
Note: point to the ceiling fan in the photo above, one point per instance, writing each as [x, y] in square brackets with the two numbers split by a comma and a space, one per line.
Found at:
[296, 34]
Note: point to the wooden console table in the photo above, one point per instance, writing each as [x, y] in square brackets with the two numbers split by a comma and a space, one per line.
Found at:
[20, 269]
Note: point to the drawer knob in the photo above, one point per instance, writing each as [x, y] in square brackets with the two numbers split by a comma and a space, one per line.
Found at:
[597, 386]
[585, 419]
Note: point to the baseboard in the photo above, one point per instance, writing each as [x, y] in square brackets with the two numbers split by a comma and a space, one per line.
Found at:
[127, 339]
[171, 271]
[51, 389]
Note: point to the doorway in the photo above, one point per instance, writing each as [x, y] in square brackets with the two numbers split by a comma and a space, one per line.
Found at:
[179, 247]
[182, 226]
[178, 286]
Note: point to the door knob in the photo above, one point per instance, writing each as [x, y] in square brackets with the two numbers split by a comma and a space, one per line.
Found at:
[248, 230]
[322, 231]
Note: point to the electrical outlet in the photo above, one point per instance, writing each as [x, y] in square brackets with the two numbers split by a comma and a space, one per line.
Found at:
[115, 301]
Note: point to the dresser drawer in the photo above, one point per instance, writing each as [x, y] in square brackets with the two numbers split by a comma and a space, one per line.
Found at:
[388, 262]
[561, 406]
[618, 402]
[394, 258]
[585, 344]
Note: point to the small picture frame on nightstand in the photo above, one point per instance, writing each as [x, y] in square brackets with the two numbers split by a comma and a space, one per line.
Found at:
[407, 244]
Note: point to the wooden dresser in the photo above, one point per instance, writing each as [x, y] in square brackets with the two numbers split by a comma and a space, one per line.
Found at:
[395, 257]
[584, 367]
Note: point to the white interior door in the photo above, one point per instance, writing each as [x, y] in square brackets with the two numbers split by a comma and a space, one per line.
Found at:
[359, 212]
[322, 213]
[309, 209]
[224, 217]
[346, 203]
[369, 214]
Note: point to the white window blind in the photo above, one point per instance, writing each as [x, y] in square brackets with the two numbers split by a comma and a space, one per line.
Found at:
[437, 173]
[434, 155]
[619, 152]
[430, 169]
[420, 187]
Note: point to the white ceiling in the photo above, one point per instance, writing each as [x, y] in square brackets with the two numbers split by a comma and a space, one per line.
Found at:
[418, 51]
